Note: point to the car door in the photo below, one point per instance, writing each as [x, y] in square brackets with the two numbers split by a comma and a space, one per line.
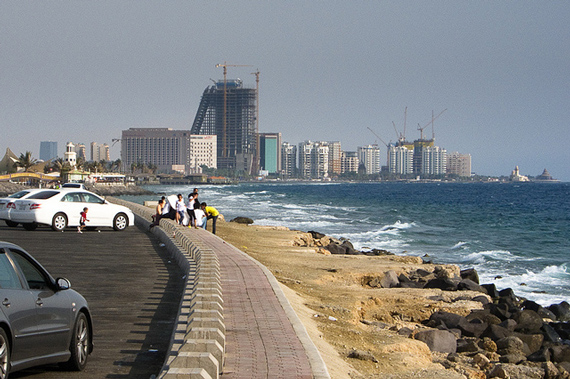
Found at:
[98, 210]
[18, 308]
[53, 308]
[72, 205]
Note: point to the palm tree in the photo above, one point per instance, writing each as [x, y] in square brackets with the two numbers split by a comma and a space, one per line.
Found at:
[26, 161]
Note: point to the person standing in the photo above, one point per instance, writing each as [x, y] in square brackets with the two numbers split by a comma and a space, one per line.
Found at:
[82, 220]
[180, 209]
[192, 200]
[211, 214]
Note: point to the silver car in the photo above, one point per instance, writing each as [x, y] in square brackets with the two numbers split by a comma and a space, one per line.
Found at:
[42, 320]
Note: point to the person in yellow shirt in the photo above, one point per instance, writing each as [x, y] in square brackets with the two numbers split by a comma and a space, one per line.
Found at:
[211, 214]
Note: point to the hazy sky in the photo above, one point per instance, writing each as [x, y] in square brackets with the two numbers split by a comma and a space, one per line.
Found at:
[83, 71]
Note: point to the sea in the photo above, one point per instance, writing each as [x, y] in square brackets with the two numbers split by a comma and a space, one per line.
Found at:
[516, 235]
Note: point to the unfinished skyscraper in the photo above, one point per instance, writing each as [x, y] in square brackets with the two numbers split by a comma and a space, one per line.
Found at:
[228, 110]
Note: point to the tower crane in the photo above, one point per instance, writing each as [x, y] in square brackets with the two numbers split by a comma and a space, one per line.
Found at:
[225, 66]
[431, 122]
[377, 136]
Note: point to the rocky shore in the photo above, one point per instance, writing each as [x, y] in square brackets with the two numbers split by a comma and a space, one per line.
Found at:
[375, 314]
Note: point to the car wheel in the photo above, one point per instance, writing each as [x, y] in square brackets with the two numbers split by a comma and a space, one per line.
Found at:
[120, 222]
[30, 226]
[80, 344]
[11, 224]
[4, 354]
[59, 222]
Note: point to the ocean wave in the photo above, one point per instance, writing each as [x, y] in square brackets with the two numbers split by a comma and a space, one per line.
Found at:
[398, 225]
[483, 256]
[458, 245]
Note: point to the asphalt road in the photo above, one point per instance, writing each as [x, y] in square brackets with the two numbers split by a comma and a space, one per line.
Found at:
[132, 287]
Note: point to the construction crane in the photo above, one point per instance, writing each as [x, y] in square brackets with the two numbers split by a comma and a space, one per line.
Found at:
[433, 118]
[256, 159]
[225, 66]
[377, 136]
[399, 135]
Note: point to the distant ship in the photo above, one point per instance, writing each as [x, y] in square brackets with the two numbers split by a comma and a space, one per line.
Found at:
[545, 178]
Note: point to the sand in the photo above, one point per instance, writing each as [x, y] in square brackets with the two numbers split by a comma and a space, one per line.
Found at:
[343, 314]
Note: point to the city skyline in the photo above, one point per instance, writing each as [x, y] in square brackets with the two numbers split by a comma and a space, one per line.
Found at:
[83, 71]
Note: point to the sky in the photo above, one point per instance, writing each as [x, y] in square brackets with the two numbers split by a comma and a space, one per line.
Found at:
[83, 71]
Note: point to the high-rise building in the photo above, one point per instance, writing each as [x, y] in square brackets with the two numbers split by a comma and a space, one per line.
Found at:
[100, 152]
[370, 157]
[270, 152]
[314, 160]
[81, 151]
[203, 152]
[335, 153]
[459, 164]
[433, 160]
[400, 160]
[48, 150]
[228, 110]
[288, 159]
[419, 146]
[170, 150]
[349, 161]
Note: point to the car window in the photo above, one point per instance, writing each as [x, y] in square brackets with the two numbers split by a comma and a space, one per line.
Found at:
[8, 277]
[18, 194]
[35, 278]
[43, 195]
[74, 197]
[89, 198]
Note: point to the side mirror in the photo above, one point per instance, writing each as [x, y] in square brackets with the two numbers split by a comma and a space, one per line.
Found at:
[63, 284]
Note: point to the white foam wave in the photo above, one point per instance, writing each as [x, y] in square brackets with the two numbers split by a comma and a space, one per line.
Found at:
[458, 245]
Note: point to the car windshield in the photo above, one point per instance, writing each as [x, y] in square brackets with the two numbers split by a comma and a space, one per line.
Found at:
[43, 195]
[18, 194]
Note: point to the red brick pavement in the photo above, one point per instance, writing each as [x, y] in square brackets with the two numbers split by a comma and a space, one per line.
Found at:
[260, 340]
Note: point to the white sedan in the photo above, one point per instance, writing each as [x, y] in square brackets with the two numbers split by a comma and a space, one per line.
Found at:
[61, 208]
[5, 209]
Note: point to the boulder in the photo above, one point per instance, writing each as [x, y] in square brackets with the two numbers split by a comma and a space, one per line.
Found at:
[444, 284]
[532, 341]
[496, 332]
[561, 311]
[438, 340]
[470, 285]
[488, 344]
[449, 320]
[242, 220]
[362, 355]
[491, 290]
[510, 345]
[528, 322]
[390, 280]
[316, 235]
[467, 345]
[470, 274]
[550, 334]
[473, 328]
[550, 371]
[560, 353]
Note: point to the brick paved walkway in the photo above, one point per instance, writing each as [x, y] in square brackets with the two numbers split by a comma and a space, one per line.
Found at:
[260, 339]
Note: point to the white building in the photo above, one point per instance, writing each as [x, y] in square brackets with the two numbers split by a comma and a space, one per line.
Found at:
[70, 155]
[434, 161]
[100, 152]
[288, 159]
[313, 159]
[370, 157]
[349, 161]
[400, 160]
[203, 152]
[459, 164]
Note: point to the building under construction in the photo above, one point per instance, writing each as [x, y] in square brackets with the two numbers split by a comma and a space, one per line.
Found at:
[228, 110]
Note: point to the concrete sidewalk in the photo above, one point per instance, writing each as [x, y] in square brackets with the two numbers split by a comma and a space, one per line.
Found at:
[264, 336]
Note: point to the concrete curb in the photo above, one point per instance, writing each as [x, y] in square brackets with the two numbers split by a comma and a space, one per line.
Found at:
[197, 345]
